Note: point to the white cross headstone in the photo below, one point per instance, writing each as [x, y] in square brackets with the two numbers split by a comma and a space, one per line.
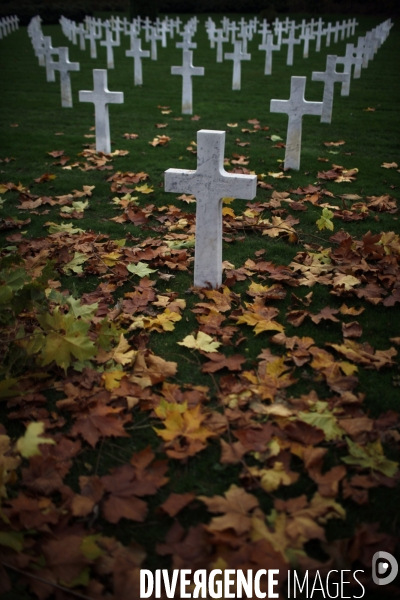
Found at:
[291, 41]
[337, 31]
[211, 28]
[93, 35]
[153, 39]
[186, 43]
[318, 34]
[306, 36]
[329, 77]
[328, 31]
[237, 56]
[353, 26]
[82, 36]
[187, 70]
[343, 30]
[245, 35]
[220, 39]
[359, 53]
[295, 108]
[38, 44]
[348, 60]
[233, 28]
[137, 53]
[264, 30]
[64, 66]
[109, 43]
[269, 47]
[48, 52]
[101, 98]
[209, 184]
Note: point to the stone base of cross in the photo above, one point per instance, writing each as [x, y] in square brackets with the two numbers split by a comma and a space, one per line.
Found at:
[209, 183]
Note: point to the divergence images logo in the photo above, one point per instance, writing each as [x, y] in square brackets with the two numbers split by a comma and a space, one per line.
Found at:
[382, 563]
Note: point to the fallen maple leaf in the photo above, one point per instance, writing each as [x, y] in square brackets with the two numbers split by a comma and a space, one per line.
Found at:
[371, 457]
[100, 421]
[45, 177]
[184, 433]
[203, 342]
[176, 502]
[65, 337]
[325, 221]
[219, 361]
[236, 506]
[144, 189]
[391, 165]
[160, 140]
[140, 269]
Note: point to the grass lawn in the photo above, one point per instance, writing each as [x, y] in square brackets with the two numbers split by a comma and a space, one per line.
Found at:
[275, 442]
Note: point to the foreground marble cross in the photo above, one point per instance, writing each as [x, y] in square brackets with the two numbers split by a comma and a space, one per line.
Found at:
[237, 56]
[137, 53]
[187, 70]
[329, 77]
[101, 98]
[295, 108]
[64, 66]
[209, 183]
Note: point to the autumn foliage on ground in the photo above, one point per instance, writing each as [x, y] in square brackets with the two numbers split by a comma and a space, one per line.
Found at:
[289, 431]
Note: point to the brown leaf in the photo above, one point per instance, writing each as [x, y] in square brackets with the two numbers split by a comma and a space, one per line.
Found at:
[352, 330]
[64, 557]
[176, 502]
[100, 421]
[236, 506]
[219, 361]
[231, 453]
[327, 313]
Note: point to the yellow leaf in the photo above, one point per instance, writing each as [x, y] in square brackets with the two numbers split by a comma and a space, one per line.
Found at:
[347, 368]
[227, 200]
[228, 211]
[28, 444]
[272, 479]
[111, 259]
[123, 354]
[112, 379]
[203, 342]
[279, 175]
[348, 281]
[144, 189]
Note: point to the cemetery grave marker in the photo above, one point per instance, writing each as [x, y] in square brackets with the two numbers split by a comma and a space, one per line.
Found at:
[101, 98]
[64, 66]
[237, 56]
[295, 108]
[109, 43]
[291, 41]
[209, 183]
[348, 60]
[137, 53]
[269, 48]
[187, 70]
[329, 77]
